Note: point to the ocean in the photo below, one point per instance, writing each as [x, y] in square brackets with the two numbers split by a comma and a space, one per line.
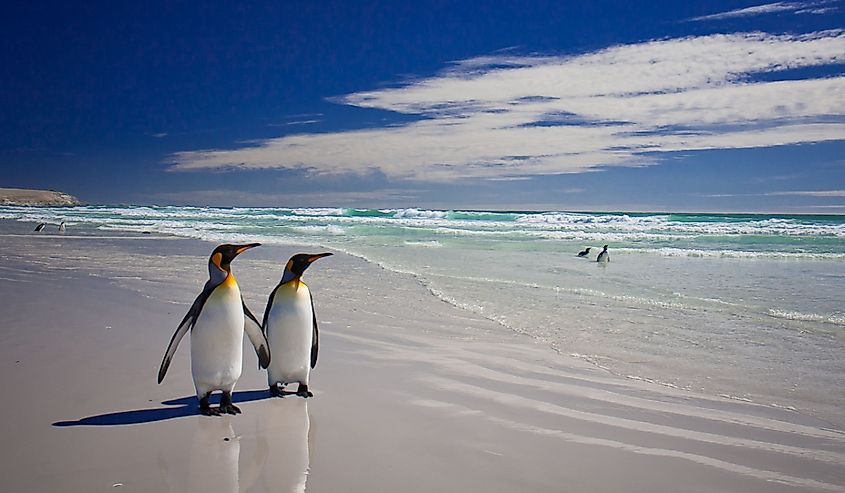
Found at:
[748, 307]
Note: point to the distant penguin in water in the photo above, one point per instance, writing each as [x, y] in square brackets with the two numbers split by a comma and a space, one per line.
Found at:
[290, 325]
[217, 321]
[40, 226]
[62, 227]
[603, 257]
[584, 253]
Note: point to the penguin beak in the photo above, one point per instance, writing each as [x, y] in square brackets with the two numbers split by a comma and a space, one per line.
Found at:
[246, 247]
[313, 258]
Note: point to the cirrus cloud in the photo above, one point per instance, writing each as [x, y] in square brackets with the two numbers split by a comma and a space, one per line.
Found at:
[818, 8]
[511, 116]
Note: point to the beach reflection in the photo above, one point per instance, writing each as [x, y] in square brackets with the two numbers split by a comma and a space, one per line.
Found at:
[215, 453]
[286, 430]
[273, 457]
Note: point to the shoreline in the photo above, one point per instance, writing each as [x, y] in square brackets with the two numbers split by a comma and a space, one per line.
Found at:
[661, 374]
[411, 393]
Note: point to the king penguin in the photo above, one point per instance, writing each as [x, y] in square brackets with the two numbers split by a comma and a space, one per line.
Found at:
[217, 320]
[604, 256]
[290, 325]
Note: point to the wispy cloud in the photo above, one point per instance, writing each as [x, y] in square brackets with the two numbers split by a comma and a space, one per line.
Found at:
[797, 193]
[817, 7]
[510, 116]
[812, 193]
[298, 122]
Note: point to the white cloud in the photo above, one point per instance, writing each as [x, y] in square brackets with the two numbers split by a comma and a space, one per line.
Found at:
[509, 116]
[795, 193]
[297, 122]
[770, 8]
[813, 193]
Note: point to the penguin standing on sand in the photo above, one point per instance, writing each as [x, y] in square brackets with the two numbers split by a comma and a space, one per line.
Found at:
[584, 253]
[217, 320]
[62, 227]
[290, 325]
[604, 256]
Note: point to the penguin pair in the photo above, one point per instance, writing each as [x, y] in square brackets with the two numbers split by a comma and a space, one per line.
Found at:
[41, 227]
[604, 255]
[219, 317]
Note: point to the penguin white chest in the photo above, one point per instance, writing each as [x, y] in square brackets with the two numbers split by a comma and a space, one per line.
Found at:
[290, 330]
[217, 340]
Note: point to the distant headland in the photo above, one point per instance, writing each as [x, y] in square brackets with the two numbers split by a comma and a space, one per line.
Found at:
[21, 196]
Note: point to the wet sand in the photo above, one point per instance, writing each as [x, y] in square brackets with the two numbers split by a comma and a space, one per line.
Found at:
[411, 393]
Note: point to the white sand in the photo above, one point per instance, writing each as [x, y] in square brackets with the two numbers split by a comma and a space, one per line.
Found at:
[411, 394]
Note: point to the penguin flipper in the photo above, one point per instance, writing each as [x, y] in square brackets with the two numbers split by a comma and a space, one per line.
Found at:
[268, 307]
[256, 337]
[186, 323]
[315, 338]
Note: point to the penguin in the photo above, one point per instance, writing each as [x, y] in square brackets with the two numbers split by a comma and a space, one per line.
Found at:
[217, 320]
[604, 256]
[62, 227]
[584, 253]
[290, 325]
[40, 226]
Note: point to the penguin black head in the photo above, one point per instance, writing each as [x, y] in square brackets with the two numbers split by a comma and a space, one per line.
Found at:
[605, 247]
[223, 255]
[298, 263]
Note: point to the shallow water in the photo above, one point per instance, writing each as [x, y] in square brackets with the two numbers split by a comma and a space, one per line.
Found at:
[746, 306]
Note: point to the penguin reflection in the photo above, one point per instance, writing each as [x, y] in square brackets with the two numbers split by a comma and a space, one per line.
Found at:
[214, 461]
[284, 431]
[215, 452]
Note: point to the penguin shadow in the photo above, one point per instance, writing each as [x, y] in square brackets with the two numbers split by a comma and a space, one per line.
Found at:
[177, 408]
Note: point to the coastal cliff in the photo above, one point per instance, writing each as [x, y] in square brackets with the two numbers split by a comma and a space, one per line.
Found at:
[20, 196]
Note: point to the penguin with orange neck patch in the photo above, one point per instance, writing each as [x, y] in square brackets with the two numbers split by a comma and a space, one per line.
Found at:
[217, 321]
[290, 325]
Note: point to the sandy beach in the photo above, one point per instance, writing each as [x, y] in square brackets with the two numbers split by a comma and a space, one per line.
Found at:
[411, 393]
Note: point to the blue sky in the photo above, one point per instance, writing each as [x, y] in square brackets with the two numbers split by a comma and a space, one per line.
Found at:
[669, 106]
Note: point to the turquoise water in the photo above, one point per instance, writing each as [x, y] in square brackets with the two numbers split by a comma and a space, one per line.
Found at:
[746, 306]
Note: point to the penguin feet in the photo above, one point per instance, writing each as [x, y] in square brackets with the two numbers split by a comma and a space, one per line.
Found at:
[226, 405]
[229, 409]
[277, 391]
[303, 391]
[206, 409]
